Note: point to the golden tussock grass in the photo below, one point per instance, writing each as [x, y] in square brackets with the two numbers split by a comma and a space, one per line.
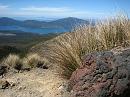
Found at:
[67, 49]
[11, 60]
[32, 60]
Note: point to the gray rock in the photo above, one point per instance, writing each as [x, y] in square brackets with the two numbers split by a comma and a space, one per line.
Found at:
[102, 74]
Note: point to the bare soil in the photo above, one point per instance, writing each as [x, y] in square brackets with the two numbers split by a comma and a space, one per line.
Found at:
[37, 82]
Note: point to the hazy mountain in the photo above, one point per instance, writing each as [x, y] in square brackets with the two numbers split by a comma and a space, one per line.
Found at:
[5, 21]
[33, 23]
[70, 22]
[60, 25]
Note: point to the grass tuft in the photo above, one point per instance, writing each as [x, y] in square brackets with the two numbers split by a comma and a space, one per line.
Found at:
[13, 61]
[33, 60]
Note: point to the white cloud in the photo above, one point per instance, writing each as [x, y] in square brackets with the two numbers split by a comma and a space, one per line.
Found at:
[46, 9]
[33, 11]
[3, 7]
[57, 12]
[4, 10]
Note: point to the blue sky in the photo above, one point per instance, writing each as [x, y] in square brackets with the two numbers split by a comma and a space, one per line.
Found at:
[63, 8]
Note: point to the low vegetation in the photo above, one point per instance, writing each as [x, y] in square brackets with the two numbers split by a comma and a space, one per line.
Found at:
[32, 60]
[12, 60]
[67, 49]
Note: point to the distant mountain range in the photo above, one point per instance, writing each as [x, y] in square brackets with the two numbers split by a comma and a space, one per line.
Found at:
[43, 27]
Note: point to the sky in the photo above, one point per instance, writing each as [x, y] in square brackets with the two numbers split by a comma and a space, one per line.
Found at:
[63, 8]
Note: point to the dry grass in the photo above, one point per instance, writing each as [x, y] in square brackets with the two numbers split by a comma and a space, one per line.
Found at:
[12, 60]
[32, 60]
[114, 32]
[67, 49]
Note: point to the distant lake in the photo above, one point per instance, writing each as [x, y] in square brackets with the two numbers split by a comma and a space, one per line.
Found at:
[34, 30]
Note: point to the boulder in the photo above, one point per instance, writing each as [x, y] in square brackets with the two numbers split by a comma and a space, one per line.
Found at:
[102, 74]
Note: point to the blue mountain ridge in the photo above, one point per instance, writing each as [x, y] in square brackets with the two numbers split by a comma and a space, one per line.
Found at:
[42, 27]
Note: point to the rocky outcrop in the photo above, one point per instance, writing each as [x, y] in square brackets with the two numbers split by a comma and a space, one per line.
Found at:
[102, 74]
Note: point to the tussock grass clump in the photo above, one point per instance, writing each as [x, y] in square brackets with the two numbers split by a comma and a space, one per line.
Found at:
[33, 60]
[67, 49]
[13, 61]
[114, 32]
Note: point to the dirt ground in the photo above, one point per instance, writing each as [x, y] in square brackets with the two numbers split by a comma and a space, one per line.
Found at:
[35, 83]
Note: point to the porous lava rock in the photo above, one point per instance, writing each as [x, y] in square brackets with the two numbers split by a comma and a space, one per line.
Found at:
[102, 74]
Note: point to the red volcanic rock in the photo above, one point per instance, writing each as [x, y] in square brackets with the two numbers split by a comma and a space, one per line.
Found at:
[102, 74]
